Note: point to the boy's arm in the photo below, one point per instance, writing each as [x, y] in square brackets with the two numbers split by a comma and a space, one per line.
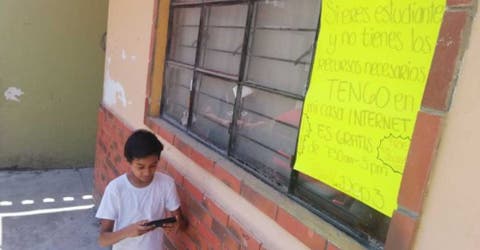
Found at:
[182, 223]
[107, 237]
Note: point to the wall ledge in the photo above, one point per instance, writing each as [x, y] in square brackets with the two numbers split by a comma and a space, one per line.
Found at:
[179, 148]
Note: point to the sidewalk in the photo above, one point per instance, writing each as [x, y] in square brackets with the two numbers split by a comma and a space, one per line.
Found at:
[47, 210]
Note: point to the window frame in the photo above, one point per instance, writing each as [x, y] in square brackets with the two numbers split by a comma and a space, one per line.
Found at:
[328, 212]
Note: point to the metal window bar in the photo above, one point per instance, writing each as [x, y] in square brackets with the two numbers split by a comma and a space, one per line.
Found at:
[250, 41]
[218, 74]
[179, 85]
[204, 31]
[273, 28]
[261, 144]
[187, 26]
[294, 62]
[279, 92]
[307, 52]
[195, 74]
[176, 104]
[179, 64]
[225, 27]
[293, 185]
[243, 59]
[214, 97]
[281, 28]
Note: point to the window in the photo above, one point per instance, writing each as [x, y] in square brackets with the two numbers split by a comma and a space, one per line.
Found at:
[236, 77]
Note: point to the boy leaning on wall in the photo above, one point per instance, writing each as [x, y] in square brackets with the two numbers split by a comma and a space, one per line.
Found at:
[137, 197]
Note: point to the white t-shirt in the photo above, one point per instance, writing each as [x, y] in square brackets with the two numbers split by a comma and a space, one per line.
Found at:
[127, 204]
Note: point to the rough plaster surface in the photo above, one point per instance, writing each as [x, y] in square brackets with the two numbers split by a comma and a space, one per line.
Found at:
[51, 71]
[113, 91]
[452, 208]
[13, 94]
[128, 57]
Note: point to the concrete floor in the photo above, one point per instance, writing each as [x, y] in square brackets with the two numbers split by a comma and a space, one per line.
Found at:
[47, 210]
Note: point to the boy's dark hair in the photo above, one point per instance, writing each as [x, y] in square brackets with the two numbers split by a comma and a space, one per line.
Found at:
[142, 143]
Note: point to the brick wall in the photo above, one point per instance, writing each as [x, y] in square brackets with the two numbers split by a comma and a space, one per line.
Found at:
[109, 160]
[285, 219]
[210, 226]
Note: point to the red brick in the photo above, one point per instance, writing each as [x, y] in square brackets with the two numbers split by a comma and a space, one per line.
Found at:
[199, 233]
[331, 246]
[444, 66]
[167, 244]
[401, 232]
[230, 242]
[219, 230]
[182, 146]
[193, 191]
[209, 237]
[422, 152]
[201, 160]
[162, 165]
[172, 171]
[196, 210]
[299, 230]
[175, 239]
[227, 178]
[182, 195]
[160, 131]
[192, 233]
[193, 221]
[217, 213]
[246, 239]
[188, 242]
[265, 205]
[452, 3]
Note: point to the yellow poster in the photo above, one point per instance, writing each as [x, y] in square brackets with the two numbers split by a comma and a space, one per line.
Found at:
[371, 65]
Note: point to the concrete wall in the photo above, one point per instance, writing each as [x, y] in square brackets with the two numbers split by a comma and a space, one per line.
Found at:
[51, 69]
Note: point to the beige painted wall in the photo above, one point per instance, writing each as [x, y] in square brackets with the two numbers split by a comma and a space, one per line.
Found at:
[51, 69]
[451, 217]
[127, 58]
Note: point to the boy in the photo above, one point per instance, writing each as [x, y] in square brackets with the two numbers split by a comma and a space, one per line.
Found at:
[139, 196]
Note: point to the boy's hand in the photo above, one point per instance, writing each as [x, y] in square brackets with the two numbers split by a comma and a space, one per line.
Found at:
[138, 229]
[170, 227]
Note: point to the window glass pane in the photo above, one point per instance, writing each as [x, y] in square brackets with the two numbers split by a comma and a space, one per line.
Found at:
[177, 93]
[183, 41]
[223, 38]
[280, 52]
[279, 74]
[288, 13]
[267, 132]
[293, 45]
[281, 44]
[354, 213]
[213, 110]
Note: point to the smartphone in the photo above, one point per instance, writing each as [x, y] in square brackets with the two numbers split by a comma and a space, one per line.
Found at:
[161, 222]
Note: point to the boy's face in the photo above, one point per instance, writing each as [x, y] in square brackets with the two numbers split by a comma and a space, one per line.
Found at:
[143, 170]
